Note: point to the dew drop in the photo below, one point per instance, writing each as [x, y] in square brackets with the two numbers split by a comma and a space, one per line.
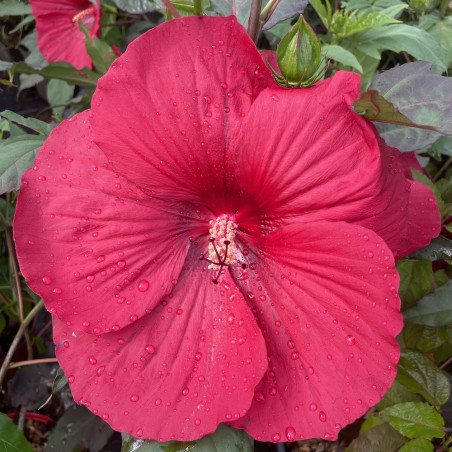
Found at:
[150, 349]
[100, 259]
[143, 285]
[105, 416]
[290, 433]
[313, 407]
[322, 416]
[185, 391]
[350, 340]
[56, 290]
[134, 398]
[276, 437]
[92, 360]
[275, 98]
[100, 370]
[71, 379]
[224, 85]
[46, 280]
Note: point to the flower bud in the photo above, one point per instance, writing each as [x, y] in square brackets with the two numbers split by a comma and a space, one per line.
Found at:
[299, 56]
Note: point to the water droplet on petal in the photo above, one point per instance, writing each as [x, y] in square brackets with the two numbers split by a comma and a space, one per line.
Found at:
[290, 434]
[92, 360]
[150, 349]
[134, 398]
[276, 437]
[350, 340]
[313, 407]
[322, 416]
[46, 280]
[143, 285]
[71, 379]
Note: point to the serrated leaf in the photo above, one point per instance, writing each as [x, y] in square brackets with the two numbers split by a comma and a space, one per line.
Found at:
[224, 439]
[341, 55]
[136, 6]
[422, 96]
[418, 445]
[78, 429]
[397, 393]
[381, 438]
[434, 309]
[415, 280]
[415, 420]
[423, 338]
[16, 156]
[32, 123]
[418, 373]
[12, 438]
[14, 8]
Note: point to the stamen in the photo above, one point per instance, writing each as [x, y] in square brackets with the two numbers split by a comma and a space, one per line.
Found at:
[222, 249]
[84, 14]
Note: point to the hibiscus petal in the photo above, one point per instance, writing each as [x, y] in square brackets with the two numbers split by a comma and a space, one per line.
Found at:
[423, 220]
[325, 296]
[59, 37]
[191, 364]
[167, 118]
[311, 155]
[99, 252]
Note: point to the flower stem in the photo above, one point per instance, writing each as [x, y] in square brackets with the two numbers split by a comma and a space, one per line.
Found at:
[32, 361]
[17, 338]
[442, 169]
[254, 20]
[171, 8]
[268, 11]
[197, 7]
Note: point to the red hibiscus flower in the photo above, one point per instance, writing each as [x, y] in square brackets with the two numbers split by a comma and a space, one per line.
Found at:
[216, 248]
[59, 34]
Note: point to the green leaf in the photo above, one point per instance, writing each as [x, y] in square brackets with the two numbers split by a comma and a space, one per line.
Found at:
[79, 429]
[16, 156]
[434, 309]
[344, 25]
[441, 32]
[99, 51]
[422, 96]
[31, 123]
[375, 107]
[381, 438]
[424, 338]
[443, 146]
[224, 439]
[368, 6]
[418, 445]
[397, 393]
[323, 11]
[58, 94]
[136, 6]
[438, 249]
[61, 71]
[26, 20]
[415, 280]
[12, 439]
[400, 38]
[14, 8]
[418, 373]
[415, 420]
[58, 384]
[341, 55]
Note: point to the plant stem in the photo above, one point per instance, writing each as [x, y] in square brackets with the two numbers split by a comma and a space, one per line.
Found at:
[197, 7]
[443, 168]
[268, 10]
[31, 362]
[20, 300]
[254, 20]
[17, 339]
[171, 8]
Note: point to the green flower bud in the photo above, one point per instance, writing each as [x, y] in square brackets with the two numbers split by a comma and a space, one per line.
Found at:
[299, 56]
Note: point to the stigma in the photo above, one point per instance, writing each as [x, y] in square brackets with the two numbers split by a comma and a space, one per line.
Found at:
[222, 248]
[86, 16]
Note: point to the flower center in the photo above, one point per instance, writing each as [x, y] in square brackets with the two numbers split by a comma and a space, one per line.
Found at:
[222, 248]
[87, 17]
